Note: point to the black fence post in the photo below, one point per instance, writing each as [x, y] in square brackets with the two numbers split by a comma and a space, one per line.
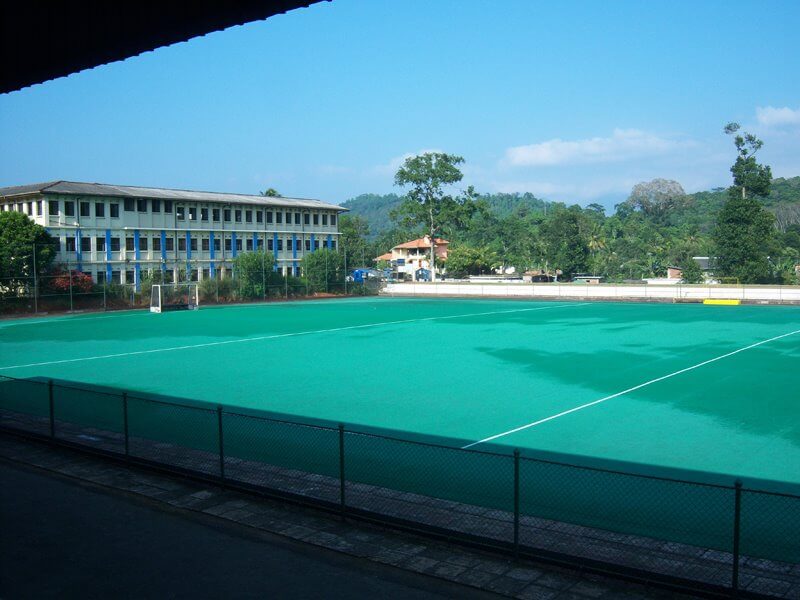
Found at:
[221, 444]
[516, 503]
[52, 408]
[342, 503]
[737, 514]
[125, 422]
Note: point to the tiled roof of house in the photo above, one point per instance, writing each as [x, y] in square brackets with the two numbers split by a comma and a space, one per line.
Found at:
[421, 243]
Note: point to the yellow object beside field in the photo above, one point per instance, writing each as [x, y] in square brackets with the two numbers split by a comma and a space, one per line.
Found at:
[722, 302]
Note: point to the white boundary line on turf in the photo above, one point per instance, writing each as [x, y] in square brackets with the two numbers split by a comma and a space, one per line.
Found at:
[285, 335]
[632, 389]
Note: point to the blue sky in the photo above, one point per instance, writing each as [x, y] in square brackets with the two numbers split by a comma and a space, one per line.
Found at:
[574, 101]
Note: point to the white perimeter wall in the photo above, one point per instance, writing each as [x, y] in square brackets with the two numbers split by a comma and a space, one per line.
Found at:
[601, 291]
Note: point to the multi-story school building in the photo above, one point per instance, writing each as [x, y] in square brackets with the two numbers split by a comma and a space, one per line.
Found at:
[117, 233]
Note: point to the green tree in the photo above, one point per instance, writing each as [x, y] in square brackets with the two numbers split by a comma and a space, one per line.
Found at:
[744, 234]
[271, 193]
[566, 245]
[426, 202]
[465, 260]
[691, 272]
[252, 272]
[324, 269]
[354, 231]
[18, 236]
[748, 175]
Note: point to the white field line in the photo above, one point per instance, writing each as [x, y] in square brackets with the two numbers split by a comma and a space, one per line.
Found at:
[629, 390]
[283, 335]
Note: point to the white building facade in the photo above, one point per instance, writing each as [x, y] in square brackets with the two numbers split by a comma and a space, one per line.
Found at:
[119, 233]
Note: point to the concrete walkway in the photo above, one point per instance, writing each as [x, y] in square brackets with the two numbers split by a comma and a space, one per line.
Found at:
[77, 525]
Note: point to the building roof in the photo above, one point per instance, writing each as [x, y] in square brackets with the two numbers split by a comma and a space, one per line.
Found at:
[76, 188]
[423, 242]
[387, 256]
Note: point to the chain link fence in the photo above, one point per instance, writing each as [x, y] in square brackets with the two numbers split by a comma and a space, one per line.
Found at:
[719, 538]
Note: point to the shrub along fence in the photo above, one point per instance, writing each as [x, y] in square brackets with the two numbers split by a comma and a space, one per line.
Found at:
[719, 539]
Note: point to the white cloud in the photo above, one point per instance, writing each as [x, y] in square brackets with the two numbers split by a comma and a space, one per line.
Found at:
[624, 144]
[769, 116]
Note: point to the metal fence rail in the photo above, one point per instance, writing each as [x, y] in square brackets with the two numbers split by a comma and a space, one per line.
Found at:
[716, 538]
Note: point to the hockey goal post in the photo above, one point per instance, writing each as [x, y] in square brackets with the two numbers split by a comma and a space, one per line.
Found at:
[177, 296]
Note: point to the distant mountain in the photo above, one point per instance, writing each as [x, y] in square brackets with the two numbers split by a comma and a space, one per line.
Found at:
[702, 208]
[375, 208]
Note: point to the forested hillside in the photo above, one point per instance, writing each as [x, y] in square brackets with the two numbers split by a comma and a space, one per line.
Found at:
[658, 225]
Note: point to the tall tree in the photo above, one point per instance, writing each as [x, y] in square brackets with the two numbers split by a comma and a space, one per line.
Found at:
[744, 232]
[657, 198]
[748, 176]
[354, 231]
[271, 193]
[565, 241]
[426, 176]
[18, 237]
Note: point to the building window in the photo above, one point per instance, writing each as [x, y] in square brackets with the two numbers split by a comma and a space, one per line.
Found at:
[193, 213]
[227, 244]
[288, 244]
[217, 245]
[269, 244]
[180, 213]
[316, 244]
[226, 215]
[52, 207]
[204, 214]
[70, 244]
[167, 206]
[205, 246]
[259, 216]
[115, 276]
[100, 209]
[333, 219]
[129, 276]
[288, 218]
[316, 219]
[333, 244]
[193, 244]
[101, 277]
[238, 215]
[157, 244]
[115, 244]
[308, 245]
[248, 216]
[249, 245]
[169, 275]
[129, 204]
[297, 218]
[181, 244]
[324, 219]
[279, 217]
[129, 244]
[155, 205]
[113, 210]
[143, 244]
[170, 244]
[69, 208]
[215, 214]
[86, 209]
[269, 214]
[239, 245]
[86, 244]
[100, 244]
[280, 245]
[141, 205]
[306, 219]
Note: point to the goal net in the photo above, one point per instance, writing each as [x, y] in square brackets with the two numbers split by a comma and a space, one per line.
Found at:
[178, 296]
